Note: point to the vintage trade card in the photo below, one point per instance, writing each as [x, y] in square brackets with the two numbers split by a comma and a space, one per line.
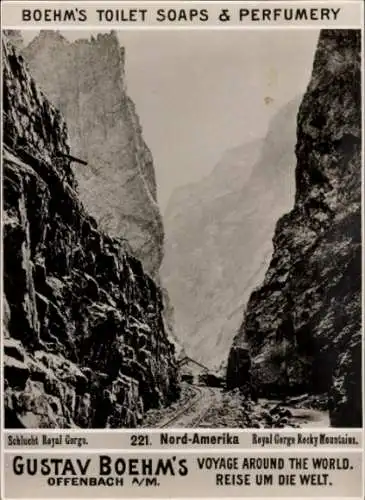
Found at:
[182, 260]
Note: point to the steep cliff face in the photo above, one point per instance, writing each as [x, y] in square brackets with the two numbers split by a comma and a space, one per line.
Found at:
[218, 237]
[86, 81]
[303, 325]
[84, 337]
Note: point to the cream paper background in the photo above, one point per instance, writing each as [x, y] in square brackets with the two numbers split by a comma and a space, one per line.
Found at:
[111, 439]
[350, 15]
[198, 484]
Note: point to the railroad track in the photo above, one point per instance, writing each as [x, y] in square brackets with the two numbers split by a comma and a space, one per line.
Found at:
[202, 415]
[198, 396]
[187, 408]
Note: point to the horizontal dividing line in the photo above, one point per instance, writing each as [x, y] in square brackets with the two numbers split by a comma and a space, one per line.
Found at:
[174, 434]
[119, 27]
[158, 430]
[187, 2]
[190, 498]
[361, 497]
[146, 450]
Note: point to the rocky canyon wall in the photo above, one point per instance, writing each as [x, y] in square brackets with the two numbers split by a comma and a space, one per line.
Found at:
[84, 337]
[85, 80]
[302, 326]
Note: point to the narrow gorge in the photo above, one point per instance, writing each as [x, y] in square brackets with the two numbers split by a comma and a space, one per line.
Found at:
[85, 341]
[302, 329]
[241, 305]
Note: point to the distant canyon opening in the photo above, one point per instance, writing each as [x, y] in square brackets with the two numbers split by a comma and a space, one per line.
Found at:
[218, 237]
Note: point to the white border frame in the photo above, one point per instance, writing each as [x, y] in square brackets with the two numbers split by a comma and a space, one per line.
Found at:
[103, 28]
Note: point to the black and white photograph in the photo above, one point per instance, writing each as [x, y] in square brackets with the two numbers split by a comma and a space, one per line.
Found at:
[182, 231]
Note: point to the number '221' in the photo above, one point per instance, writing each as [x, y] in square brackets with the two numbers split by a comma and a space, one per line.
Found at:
[140, 440]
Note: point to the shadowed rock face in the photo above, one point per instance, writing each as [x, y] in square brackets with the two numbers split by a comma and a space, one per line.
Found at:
[219, 237]
[303, 324]
[85, 80]
[84, 337]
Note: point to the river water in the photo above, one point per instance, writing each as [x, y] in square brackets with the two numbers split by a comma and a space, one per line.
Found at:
[305, 417]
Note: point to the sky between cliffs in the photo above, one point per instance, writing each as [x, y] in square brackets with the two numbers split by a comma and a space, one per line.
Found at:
[199, 93]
